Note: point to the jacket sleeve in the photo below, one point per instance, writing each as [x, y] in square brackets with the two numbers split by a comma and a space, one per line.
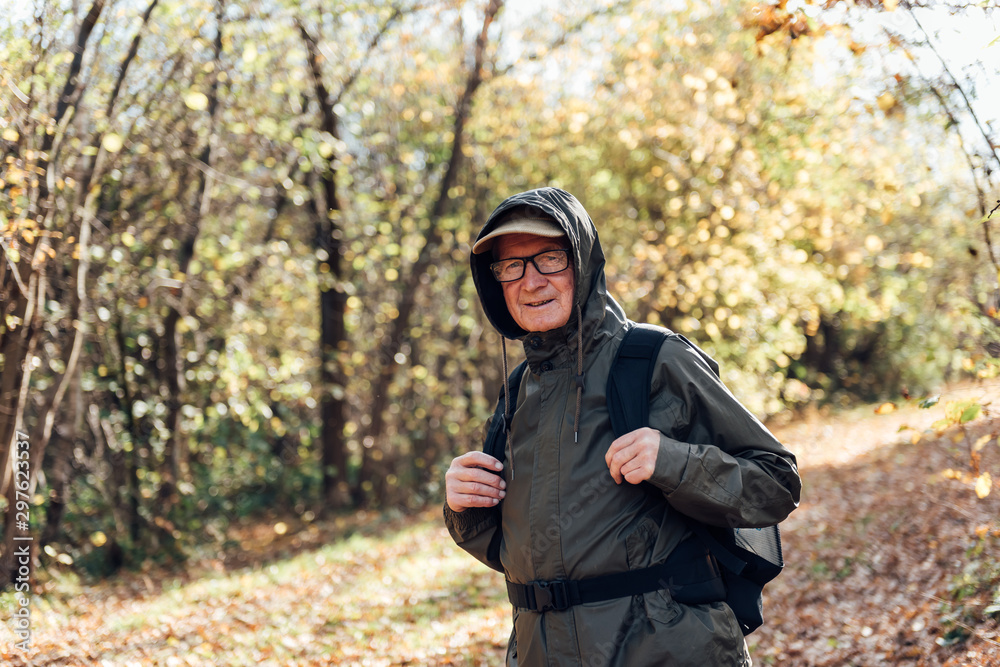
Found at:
[717, 463]
[473, 530]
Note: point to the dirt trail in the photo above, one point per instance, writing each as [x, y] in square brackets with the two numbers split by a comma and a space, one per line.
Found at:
[891, 560]
[823, 440]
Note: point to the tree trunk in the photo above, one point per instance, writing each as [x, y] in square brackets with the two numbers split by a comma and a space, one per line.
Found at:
[175, 448]
[18, 346]
[125, 404]
[432, 240]
[67, 101]
[60, 471]
[332, 303]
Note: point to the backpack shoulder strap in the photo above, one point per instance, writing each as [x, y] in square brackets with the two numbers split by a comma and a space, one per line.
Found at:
[630, 377]
[496, 438]
[749, 557]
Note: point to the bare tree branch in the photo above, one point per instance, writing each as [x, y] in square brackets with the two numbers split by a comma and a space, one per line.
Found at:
[349, 81]
[958, 86]
[563, 38]
[129, 57]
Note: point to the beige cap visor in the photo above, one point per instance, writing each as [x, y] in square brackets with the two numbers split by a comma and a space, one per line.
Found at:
[537, 226]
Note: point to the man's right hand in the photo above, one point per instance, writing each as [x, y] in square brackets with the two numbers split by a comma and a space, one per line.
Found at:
[472, 482]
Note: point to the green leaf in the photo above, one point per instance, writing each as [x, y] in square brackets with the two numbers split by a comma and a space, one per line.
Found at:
[930, 402]
[940, 425]
[970, 413]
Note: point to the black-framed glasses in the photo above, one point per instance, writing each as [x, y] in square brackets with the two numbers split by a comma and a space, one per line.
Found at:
[549, 261]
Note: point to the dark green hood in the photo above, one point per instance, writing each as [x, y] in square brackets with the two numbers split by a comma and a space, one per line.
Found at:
[588, 258]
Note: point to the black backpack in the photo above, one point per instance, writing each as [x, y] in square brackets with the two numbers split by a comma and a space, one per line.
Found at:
[749, 557]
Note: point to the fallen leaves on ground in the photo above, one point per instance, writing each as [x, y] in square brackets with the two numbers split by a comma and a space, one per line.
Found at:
[889, 559]
[889, 562]
[401, 595]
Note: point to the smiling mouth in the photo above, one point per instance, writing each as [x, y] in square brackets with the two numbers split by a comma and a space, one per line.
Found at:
[539, 304]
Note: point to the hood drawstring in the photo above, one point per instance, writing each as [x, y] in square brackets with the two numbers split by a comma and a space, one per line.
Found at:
[507, 408]
[579, 372]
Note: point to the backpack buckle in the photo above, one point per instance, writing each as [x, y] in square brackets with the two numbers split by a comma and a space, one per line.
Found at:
[549, 595]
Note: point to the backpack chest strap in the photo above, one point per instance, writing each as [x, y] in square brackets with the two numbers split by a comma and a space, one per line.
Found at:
[690, 574]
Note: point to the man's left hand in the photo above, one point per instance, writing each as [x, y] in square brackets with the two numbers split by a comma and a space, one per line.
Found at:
[632, 457]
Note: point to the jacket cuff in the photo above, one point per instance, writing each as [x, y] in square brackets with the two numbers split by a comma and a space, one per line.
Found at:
[671, 462]
[469, 523]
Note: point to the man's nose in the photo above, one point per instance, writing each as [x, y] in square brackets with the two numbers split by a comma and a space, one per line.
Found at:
[533, 277]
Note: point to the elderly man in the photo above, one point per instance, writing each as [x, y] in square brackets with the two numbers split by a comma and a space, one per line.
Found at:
[574, 502]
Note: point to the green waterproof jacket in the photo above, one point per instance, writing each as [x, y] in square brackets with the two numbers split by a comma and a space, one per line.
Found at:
[563, 515]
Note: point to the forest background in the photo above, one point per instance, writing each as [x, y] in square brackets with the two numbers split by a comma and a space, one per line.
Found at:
[235, 235]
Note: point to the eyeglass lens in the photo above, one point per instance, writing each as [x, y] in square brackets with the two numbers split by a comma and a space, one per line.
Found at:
[550, 261]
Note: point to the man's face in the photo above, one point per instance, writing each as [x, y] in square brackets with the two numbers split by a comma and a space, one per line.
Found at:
[537, 302]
